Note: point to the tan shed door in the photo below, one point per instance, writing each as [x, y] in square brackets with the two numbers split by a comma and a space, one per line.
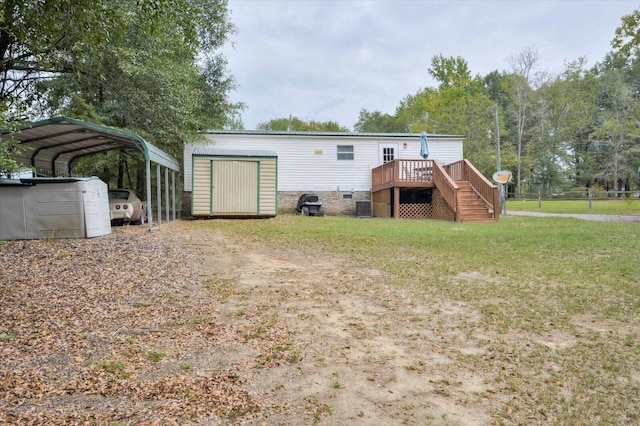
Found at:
[202, 184]
[235, 186]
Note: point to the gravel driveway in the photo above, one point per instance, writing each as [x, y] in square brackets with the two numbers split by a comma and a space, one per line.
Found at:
[594, 217]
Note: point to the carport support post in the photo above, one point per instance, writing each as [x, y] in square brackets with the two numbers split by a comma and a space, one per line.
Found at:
[149, 205]
[173, 192]
[159, 193]
[166, 193]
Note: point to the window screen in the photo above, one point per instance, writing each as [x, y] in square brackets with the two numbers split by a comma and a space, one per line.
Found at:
[345, 152]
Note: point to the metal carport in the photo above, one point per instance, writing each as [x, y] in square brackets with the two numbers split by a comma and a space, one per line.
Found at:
[53, 146]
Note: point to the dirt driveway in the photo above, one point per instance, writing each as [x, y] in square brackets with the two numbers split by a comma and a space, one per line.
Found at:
[184, 325]
[358, 351]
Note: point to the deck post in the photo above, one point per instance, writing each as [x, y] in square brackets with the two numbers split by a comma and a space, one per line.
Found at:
[396, 202]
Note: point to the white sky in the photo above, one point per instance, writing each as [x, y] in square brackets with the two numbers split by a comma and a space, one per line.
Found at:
[327, 60]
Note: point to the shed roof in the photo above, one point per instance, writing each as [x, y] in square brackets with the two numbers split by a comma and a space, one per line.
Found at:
[54, 144]
[218, 152]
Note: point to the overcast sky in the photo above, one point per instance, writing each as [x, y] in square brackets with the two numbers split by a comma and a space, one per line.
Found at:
[328, 60]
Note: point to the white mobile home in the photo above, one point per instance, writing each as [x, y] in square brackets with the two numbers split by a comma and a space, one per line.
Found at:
[337, 166]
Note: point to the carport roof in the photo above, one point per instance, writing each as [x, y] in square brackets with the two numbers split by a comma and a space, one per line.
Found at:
[54, 144]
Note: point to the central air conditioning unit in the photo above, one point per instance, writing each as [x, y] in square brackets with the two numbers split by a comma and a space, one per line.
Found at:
[363, 208]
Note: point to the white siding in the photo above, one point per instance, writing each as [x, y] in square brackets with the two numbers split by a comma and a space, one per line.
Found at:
[309, 162]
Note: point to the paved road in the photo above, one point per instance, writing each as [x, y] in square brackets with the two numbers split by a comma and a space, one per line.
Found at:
[596, 217]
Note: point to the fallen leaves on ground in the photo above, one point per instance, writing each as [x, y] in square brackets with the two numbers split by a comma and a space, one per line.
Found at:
[106, 330]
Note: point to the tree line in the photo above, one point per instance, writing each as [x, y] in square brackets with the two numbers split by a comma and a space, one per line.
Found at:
[154, 67]
[579, 129]
[573, 131]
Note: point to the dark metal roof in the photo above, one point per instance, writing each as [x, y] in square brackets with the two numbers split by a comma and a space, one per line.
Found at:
[218, 152]
[54, 144]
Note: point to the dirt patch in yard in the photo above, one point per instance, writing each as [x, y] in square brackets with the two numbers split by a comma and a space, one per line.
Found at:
[184, 325]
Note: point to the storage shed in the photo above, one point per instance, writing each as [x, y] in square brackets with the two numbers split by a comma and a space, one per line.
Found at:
[36, 208]
[234, 183]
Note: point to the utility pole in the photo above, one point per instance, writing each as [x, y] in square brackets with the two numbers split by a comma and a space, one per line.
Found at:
[503, 195]
[495, 114]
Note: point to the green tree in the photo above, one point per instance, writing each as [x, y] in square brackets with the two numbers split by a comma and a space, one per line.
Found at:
[627, 35]
[8, 147]
[617, 123]
[497, 87]
[548, 148]
[580, 89]
[460, 105]
[496, 84]
[377, 122]
[37, 38]
[294, 124]
[151, 67]
[522, 67]
[450, 72]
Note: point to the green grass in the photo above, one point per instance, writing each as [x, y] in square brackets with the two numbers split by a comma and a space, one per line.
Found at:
[155, 356]
[117, 368]
[624, 206]
[527, 277]
[586, 266]
[4, 337]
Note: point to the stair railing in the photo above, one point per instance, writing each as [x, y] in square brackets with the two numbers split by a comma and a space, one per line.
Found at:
[447, 186]
[488, 192]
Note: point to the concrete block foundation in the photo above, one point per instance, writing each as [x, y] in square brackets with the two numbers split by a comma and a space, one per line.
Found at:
[336, 203]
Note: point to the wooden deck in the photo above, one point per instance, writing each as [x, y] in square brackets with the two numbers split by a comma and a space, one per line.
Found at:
[460, 192]
[405, 173]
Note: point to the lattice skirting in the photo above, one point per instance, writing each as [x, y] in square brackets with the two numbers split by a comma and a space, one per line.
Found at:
[440, 208]
[415, 211]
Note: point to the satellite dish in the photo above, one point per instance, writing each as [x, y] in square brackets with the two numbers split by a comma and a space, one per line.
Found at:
[502, 177]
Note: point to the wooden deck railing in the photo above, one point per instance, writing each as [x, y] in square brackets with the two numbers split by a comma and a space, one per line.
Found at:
[398, 172]
[464, 170]
[447, 186]
[417, 173]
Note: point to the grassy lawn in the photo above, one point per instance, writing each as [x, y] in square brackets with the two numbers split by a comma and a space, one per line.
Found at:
[558, 299]
[625, 207]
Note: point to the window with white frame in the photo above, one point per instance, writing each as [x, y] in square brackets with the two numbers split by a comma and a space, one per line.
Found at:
[345, 152]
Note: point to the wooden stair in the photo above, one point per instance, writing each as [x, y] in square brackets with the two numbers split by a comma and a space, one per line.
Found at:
[472, 208]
